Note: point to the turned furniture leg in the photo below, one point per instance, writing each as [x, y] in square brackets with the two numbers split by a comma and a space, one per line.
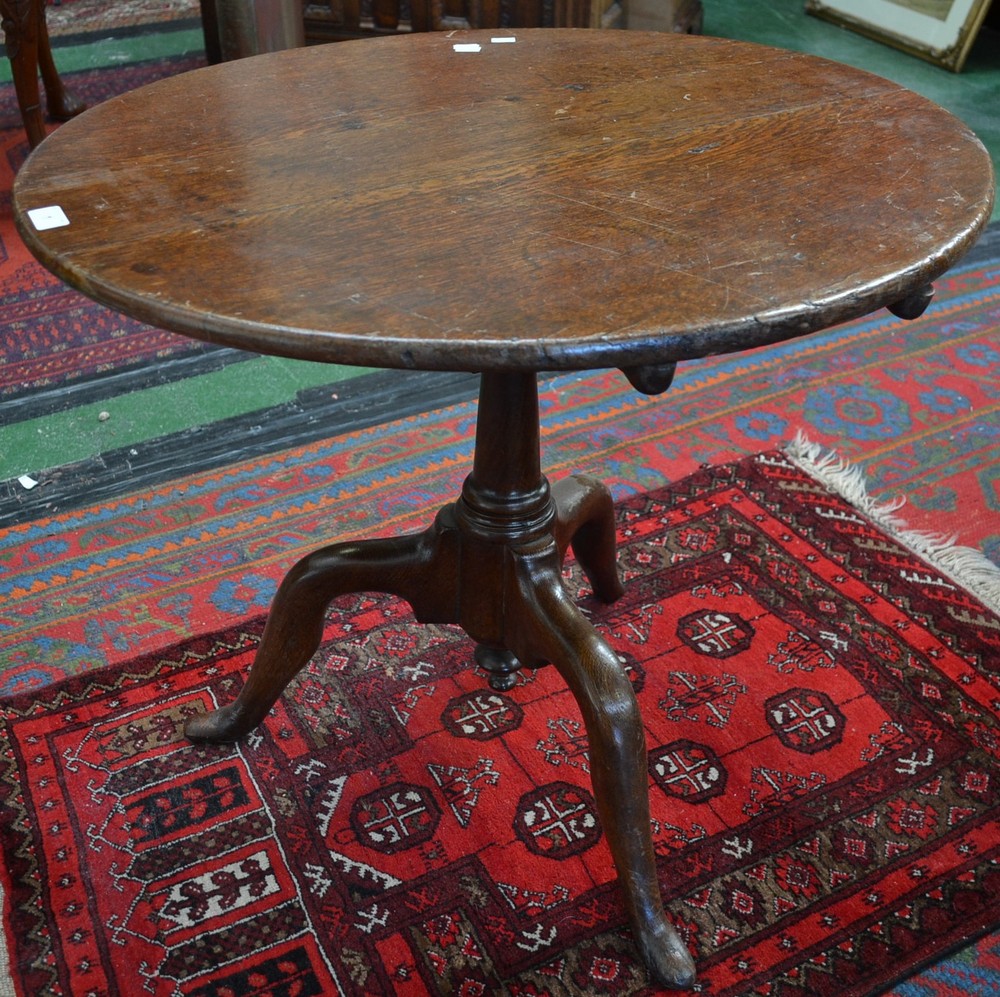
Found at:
[21, 19]
[62, 105]
[210, 30]
[415, 568]
[27, 41]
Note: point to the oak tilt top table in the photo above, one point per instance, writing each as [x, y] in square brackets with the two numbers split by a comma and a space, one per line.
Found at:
[547, 200]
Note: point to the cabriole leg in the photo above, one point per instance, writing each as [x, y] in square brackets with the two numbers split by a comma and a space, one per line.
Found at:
[550, 626]
[419, 569]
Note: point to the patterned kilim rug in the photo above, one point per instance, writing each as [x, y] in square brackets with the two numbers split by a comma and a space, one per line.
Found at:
[104, 583]
[821, 709]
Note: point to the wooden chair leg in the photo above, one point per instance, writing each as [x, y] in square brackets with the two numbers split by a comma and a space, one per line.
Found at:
[27, 41]
[20, 29]
[61, 103]
[210, 28]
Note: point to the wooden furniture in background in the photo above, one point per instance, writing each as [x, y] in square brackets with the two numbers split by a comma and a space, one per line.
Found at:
[572, 200]
[339, 20]
[328, 20]
[26, 39]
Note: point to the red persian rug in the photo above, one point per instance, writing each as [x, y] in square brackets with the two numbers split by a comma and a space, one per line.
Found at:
[822, 725]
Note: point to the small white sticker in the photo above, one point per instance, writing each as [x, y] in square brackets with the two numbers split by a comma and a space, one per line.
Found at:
[467, 47]
[50, 217]
[503, 41]
[27, 482]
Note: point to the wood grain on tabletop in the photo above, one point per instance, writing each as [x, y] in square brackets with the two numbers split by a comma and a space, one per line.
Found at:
[574, 199]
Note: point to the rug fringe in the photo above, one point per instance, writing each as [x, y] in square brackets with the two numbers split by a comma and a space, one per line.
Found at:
[965, 566]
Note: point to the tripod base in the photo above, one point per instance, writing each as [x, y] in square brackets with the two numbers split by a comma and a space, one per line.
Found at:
[492, 563]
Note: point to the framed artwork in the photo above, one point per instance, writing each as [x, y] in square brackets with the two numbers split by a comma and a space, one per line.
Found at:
[941, 31]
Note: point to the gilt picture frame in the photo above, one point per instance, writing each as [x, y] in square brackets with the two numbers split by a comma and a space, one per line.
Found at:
[940, 31]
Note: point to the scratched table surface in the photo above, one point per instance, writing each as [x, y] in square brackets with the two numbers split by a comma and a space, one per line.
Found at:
[556, 200]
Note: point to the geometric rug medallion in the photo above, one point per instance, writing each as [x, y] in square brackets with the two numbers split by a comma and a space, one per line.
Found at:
[821, 711]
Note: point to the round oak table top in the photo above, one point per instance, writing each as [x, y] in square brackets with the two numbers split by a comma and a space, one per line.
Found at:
[548, 199]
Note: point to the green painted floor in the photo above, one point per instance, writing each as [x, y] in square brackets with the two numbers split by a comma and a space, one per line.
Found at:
[78, 432]
[94, 51]
[67, 433]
